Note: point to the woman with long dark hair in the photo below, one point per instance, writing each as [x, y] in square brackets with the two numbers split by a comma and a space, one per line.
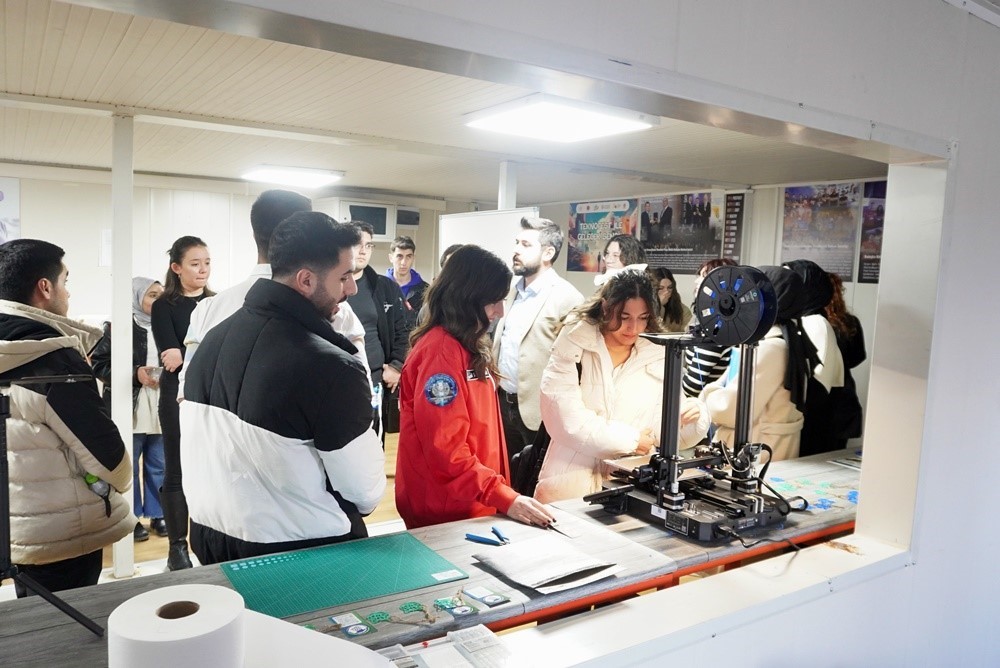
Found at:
[602, 390]
[186, 284]
[452, 461]
[828, 374]
[672, 313]
[848, 418]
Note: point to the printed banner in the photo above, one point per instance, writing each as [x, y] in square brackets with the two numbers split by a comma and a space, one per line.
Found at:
[820, 224]
[591, 224]
[681, 232]
[10, 209]
[872, 221]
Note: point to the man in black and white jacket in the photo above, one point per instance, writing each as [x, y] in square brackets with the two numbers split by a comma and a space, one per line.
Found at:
[276, 437]
[58, 433]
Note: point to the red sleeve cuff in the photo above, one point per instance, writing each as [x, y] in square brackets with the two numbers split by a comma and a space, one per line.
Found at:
[503, 497]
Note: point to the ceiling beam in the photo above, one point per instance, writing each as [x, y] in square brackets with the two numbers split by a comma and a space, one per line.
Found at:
[315, 135]
[405, 35]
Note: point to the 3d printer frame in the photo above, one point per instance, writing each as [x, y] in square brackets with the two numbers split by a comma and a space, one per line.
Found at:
[735, 306]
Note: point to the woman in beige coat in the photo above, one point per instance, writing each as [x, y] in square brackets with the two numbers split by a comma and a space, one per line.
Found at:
[610, 405]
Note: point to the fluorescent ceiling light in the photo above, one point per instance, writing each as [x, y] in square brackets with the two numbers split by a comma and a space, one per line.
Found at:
[301, 177]
[541, 116]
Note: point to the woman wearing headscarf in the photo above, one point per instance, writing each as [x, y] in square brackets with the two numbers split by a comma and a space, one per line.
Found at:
[147, 441]
[785, 359]
[818, 430]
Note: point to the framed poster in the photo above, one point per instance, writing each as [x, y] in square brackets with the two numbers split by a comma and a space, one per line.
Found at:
[591, 224]
[872, 224]
[820, 224]
[681, 232]
[10, 209]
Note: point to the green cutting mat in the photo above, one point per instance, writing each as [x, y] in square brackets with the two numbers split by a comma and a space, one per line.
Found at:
[282, 585]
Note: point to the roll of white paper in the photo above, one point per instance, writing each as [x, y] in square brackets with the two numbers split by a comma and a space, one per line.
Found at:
[184, 625]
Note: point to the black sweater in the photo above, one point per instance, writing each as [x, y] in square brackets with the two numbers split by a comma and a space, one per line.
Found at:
[170, 322]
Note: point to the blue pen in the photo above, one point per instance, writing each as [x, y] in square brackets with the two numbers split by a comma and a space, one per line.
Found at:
[499, 534]
[482, 539]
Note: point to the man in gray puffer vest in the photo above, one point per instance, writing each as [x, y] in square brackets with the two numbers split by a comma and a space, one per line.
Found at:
[62, 444]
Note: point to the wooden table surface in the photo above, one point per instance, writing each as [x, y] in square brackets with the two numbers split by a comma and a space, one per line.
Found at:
[34, 633]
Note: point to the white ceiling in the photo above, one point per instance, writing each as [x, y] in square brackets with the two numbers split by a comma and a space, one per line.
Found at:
[213, 104]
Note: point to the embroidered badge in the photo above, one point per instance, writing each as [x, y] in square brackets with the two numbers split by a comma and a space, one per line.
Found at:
[441, 389]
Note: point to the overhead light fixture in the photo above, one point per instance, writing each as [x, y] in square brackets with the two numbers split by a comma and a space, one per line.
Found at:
[542, 116]
[300, 177]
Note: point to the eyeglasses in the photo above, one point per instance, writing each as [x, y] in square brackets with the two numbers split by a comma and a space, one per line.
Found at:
[368, 245]
[612, 256]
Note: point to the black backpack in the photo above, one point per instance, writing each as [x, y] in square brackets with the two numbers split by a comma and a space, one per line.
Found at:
[525, 465]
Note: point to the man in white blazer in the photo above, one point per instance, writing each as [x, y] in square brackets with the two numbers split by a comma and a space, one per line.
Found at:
[537, 303]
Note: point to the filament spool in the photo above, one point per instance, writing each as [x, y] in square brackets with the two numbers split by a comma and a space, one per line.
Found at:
[735, 305]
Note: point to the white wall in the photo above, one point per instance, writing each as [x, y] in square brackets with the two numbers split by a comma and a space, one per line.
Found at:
[71, 212]
[70, 208]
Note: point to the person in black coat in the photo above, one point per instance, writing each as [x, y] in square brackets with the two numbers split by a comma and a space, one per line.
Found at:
[848, 414]
[379, 305]
[186, 284]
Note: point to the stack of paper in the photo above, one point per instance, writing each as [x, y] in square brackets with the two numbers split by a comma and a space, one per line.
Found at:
[547, 564]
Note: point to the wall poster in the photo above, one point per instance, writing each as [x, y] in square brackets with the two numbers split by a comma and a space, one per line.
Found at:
[872, 222]
[732, 235]
[10, 209]
[820, 224]
[681, 232]
[591, 224]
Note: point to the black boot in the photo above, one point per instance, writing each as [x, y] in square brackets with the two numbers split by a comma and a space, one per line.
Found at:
[175, 512]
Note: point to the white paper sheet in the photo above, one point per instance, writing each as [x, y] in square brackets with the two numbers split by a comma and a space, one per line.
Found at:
[548, 564]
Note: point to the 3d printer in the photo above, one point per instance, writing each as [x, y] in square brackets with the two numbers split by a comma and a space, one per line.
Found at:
[716, 493]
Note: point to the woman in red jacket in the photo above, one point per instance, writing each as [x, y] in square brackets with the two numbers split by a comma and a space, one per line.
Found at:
[452, 462]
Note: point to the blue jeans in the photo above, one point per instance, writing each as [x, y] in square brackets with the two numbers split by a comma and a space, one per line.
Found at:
[150, 448]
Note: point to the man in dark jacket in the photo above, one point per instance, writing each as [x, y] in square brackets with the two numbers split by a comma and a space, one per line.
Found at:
[402, 253]
[68, 464]
[379, 304]
[277, 444]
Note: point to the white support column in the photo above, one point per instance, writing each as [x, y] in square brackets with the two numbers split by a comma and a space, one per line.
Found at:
[121, 308]
[507, 198]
